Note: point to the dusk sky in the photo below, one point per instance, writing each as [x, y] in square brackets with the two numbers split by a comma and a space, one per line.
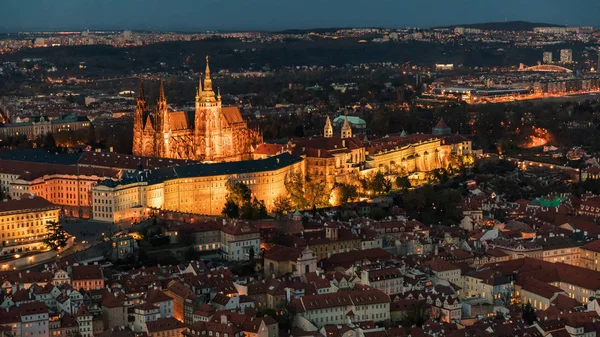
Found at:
[196, 15]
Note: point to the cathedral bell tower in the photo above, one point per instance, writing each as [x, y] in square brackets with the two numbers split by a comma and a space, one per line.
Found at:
[138, 120]
[328, 129]
[208, 120]
[346, 129]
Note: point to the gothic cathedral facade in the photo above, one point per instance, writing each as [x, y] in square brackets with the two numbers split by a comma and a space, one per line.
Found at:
[209, 133]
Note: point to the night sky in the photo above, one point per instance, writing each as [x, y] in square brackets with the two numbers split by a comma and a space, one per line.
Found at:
[198, 15]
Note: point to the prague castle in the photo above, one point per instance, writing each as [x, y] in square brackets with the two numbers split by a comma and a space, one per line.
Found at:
[210, 133]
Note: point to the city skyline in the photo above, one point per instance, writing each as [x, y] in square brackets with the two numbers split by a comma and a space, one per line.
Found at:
[185, 15]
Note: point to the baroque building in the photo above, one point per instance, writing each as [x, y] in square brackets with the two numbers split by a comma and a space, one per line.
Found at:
[209, 133]
[197, 188]
[337, 157]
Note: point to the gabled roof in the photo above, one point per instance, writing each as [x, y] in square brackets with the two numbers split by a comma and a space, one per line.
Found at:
[164, 324]
[441, 124]
[232, 115]
[86, 272]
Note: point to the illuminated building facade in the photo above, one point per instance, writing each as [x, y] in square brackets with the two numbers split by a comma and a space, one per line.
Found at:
[64, 185]
[332, 158]
[23, 223]
[196, 188]
[210, 133]
[41, 126]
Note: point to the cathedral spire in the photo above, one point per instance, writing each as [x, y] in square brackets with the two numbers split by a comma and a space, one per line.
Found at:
[219, 94]
[161, 97]
[141, 96]
[207, 80]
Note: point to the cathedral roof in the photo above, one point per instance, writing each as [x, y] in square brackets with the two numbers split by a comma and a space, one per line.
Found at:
[181, 120]
[232, 115]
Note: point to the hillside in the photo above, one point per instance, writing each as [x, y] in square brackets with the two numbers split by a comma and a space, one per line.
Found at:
[507, 26]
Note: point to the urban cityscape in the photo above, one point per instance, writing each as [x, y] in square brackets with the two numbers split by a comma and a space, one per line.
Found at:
[392, 180]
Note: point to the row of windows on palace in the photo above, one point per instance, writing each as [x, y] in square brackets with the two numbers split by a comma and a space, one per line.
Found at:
[62, 182]
[24, 217]
[367, 317]
[14, 234]
[21, 225]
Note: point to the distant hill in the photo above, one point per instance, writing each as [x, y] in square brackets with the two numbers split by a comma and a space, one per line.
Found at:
[507, 25]
[313, 30]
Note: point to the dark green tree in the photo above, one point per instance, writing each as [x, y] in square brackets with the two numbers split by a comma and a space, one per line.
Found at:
[239, 193]
[416, 316]
[294, 184]
[57, 237]
[281, 205]
[403, 183]
[231, 210]
[528, 315]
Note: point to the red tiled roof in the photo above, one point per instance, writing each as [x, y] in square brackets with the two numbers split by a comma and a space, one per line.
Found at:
[340, 298]
[89, 272]
[282, 253]
[164, 324]
[440, 265]
[348, 259]
[268, 149]
[33, 308]
[156, 296]
[26, 202]
[239, 228]
[82, 311]
[593, 246]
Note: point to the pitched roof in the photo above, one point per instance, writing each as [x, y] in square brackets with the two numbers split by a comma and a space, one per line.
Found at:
[180, 120]
[164, 324]
[156, 296]
[340, 298]
[441, 124]
[232, 115]
[82, 311]
[86, 272]
[26, 202]
[348, 259]
[268, 149]
[440, 265]
[33, 308]
[282, 253]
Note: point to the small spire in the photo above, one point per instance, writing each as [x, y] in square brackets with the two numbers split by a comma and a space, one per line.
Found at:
[218, 94]
[141, 96]
[207, 81]
[207, 71]
[161, 97]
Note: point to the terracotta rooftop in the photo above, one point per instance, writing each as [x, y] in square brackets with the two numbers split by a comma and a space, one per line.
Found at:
[26, 202]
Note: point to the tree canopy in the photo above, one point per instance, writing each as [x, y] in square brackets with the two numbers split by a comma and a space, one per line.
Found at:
[57, 237]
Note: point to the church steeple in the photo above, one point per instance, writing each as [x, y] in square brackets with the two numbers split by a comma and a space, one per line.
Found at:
[328, 129]
[141, 96]
[161, 97]
[207, 80]
[162, 110]
[140, 106]
[346, 128]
